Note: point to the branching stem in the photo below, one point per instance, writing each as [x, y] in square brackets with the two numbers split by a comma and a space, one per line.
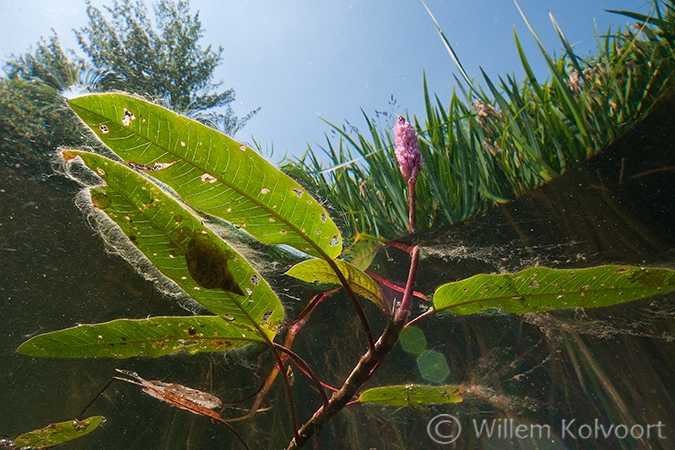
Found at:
[366, 366]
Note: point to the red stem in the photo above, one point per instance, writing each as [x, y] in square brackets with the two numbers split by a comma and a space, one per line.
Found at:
[406, 303]
[411, 204]
[391, 285]
[366, 366]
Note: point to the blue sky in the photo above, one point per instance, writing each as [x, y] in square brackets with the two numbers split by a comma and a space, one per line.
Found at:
[300, 60]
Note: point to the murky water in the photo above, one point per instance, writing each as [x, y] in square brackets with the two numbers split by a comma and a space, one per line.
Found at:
[614, 364]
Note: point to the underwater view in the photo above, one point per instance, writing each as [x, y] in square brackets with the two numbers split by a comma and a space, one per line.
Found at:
[495, 270]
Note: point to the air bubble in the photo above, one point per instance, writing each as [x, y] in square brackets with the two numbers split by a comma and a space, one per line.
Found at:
[249, 291]
[264, 191]
[272, 219]
[182, 144]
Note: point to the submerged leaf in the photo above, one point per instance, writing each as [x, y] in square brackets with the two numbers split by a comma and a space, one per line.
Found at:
[318, 271]
[211, 172]
[412, 395]
[57, 433]
[126, 338]
[543, 289]
[363, 251]
[181, 247]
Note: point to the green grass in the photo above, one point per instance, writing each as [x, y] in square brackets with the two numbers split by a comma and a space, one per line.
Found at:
[494, 144]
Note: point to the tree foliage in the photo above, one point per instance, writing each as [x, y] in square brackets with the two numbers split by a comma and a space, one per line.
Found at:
[164, 61]
[31, 103]
[126, 53]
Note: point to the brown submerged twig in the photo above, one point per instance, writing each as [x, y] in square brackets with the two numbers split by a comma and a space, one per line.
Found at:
[183, 397]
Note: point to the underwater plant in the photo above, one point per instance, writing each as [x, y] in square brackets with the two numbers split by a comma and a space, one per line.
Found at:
[186, 203]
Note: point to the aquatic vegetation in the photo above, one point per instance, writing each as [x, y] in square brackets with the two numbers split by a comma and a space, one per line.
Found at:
[190, 209]
[53, 434]
[488, 146]
[166, 202]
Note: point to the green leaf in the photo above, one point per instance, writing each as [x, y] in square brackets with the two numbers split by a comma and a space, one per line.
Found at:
[126, 338]
[363, 251]
[449, 48]
[318, 271]
[57, 433]
[542, 289]
[180, 247]
[211, 172]
[640, 17]
[412, 395]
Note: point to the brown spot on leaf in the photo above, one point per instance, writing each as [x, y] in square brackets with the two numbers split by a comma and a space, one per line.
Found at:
[100, 199]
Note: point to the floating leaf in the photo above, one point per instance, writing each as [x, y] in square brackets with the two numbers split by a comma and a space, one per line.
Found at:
[180, 247]
[542, 289]
[57, 433]
[211, 172]
[125, 338]
[412, 395]
[318, 271]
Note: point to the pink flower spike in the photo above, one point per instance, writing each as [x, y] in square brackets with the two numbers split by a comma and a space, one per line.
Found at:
[407, 149]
